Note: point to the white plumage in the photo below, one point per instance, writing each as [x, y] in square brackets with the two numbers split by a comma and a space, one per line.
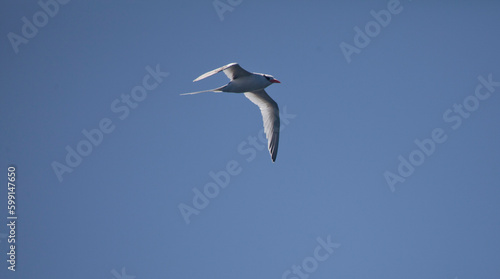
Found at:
[252, 85]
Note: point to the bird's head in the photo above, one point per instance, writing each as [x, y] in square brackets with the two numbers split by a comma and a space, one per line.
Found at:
[271, 79]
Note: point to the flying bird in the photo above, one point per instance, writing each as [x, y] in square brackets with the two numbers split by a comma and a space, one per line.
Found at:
[252, 85]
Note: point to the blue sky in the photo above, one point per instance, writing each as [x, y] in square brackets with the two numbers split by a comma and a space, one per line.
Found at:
[113, 71]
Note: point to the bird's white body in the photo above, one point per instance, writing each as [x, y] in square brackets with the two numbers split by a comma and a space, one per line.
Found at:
[252, 85]
[246, 84]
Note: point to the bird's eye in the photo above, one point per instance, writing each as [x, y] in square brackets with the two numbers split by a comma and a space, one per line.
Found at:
[268, 78]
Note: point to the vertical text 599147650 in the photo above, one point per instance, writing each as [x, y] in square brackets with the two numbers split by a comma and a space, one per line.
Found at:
[11, 217]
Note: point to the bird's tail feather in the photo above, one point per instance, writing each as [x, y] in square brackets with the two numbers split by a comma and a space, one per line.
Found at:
[210, 90]
[198, 92]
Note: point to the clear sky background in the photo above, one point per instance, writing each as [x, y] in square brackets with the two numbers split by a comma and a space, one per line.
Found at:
[116, 214]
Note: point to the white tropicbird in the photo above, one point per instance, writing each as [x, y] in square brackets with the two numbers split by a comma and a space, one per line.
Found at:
[252, 85]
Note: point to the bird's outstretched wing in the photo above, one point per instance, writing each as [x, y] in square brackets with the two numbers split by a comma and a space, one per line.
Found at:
[232, 71]
[270, 116]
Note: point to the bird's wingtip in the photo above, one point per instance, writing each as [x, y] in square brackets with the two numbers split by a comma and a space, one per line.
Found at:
[273, 157]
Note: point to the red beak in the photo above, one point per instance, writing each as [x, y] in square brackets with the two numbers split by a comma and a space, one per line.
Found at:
[275, 81]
